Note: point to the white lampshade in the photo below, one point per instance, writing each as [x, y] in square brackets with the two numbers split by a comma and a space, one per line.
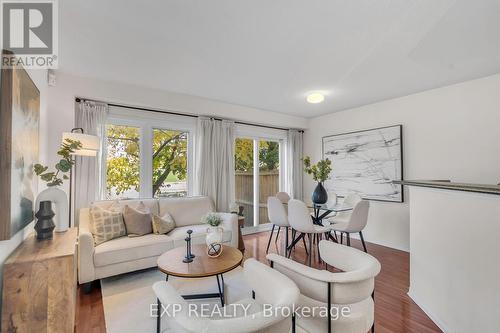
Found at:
[90, 143]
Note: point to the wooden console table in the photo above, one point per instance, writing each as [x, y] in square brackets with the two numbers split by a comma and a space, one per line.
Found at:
[39, 285]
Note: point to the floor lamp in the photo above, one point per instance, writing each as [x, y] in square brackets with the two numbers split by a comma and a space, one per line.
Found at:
[90, 147]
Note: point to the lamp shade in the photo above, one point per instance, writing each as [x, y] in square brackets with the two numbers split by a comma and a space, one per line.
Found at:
[90, 143]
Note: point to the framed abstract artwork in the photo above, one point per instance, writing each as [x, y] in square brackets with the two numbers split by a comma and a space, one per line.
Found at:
[19, 121]
[366, 162]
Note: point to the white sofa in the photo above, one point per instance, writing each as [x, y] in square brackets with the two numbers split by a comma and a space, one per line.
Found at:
[126, 254]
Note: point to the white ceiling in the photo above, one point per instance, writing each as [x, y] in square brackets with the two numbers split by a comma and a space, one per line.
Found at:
[269, 54]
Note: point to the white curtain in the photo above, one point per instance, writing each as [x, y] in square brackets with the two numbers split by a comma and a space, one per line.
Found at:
[215, 161]
[91, 116]
[294, 172]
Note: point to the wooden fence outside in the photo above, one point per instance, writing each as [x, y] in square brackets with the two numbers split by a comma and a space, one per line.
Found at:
[269, 184]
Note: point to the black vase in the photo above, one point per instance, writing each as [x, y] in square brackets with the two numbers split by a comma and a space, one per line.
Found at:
[319, 195]
[44, 226]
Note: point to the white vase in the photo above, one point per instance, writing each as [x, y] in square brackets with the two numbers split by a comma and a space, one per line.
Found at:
[60, 206]
[214, 235]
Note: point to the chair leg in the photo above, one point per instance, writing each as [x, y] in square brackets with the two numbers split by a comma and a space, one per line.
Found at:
[270, 237]
[295, 240]
[158, 316]
[373, 297]
[317, 246]
[304, 241]
[310, 249]
[341, 238]
[286, 239]
[277, 235]
[363, 241]
[348, 237]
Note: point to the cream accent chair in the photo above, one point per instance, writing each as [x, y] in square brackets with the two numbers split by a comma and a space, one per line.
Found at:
[277, 216]
[271, 287]
[300, 220]
[353, 287]
[127, 254]
[283, 196]
[354, 223]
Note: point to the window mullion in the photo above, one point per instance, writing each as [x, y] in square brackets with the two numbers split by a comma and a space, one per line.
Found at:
[146, 170]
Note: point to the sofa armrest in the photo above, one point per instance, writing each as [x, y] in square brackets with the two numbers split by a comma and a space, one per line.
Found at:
[86, 271]
[230, 222]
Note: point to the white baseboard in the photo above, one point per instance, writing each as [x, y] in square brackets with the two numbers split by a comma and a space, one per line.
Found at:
[433, 317]
[356, 236]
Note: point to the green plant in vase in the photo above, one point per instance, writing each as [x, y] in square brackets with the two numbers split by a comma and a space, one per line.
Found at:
[320, 172]
[62, 167]
[53, 194]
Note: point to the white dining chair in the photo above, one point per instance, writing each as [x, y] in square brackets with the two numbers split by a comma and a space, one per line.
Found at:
[277, 215]
[352, 287]
[300, 220]
[275, 291]
[355, 222]
[349, 200]
[283, 196]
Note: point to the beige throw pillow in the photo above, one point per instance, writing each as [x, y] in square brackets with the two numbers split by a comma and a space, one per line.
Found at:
[106, 225]
[138, 220]
[164, 224]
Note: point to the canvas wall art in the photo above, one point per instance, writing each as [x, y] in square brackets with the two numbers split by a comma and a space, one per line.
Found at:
[366, 163]
[19, 121]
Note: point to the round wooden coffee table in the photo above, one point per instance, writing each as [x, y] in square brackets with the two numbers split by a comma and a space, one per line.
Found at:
[202, 265]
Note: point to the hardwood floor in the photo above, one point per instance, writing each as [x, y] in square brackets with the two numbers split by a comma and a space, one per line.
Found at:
[395, 312]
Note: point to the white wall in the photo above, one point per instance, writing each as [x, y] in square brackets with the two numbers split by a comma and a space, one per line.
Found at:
[448, 133]
[39, 77]
[454, 268]
[62, 103]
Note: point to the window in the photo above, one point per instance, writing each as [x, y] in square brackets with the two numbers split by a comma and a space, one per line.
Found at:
[169, 163]
[123, 162]
[258, 171]
[148, 155]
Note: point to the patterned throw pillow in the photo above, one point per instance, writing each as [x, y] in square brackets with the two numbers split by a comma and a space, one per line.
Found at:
[138, 220]
[106, 225]
[164, 224]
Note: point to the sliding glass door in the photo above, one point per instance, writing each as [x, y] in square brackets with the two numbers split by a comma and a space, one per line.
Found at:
[257, 176]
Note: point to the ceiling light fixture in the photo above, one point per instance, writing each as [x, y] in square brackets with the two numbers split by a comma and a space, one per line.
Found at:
[315, 98]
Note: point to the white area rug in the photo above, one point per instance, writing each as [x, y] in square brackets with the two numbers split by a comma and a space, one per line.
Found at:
[127, 299]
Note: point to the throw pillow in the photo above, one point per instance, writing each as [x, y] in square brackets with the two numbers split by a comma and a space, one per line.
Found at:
[164, 224]
[106, 225]
[137, 221]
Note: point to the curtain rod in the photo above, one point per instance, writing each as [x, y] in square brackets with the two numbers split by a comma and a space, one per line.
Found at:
[78, 99]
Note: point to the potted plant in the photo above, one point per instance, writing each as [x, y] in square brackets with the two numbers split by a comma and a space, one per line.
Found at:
[320, 172]
[54, 179]
[214, 234]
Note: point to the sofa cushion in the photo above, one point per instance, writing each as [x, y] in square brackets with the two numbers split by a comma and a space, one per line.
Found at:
[137, 221]
[125, 249]
[106, 225]
[164, 224]
[186, 211]
[152, 204]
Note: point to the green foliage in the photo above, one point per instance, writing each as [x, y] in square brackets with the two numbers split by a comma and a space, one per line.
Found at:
[64, 165]
[212, 219]
[269, 155]
[319, 171]
[123, 162]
